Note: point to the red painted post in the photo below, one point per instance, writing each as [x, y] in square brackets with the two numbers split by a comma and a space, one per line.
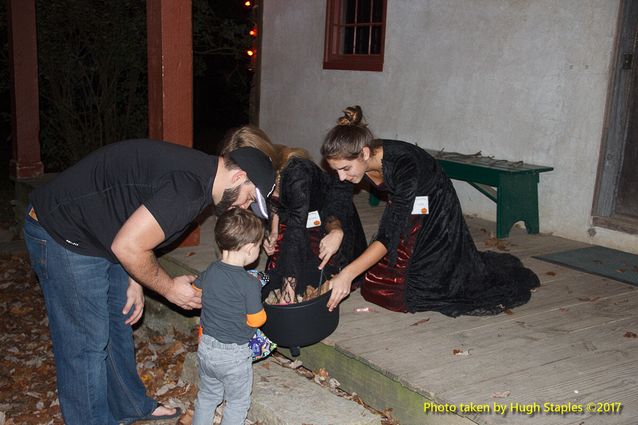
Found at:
[25, 119]
[170, 75]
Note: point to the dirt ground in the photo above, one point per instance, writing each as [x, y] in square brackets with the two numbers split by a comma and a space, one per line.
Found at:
[27, 372]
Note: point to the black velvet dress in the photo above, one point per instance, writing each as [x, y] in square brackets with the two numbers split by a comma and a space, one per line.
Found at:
[432, 263]
[304, 188]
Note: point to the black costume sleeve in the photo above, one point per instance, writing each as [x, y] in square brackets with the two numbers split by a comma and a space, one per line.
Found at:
[338, 202]
[338, 205]
[295, 195]
[401, 177]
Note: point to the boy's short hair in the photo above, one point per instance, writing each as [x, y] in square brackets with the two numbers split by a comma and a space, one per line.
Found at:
[238, 227]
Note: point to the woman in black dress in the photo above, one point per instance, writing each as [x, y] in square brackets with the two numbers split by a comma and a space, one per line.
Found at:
[298, 247]
[314, 226]
[423, 257]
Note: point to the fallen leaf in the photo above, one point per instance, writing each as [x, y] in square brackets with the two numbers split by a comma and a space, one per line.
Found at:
[363, 310]
[323, 373]
[294, 365]
[630, 335]
[588, 299]
[427, 319]
[500, 394]
[509, 312]
[551, 273]
[496, 243]
[190, 254]
[459, 352]
[187, 418]
[387, 412]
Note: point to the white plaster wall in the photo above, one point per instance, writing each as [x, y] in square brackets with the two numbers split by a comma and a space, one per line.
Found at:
[519, 79]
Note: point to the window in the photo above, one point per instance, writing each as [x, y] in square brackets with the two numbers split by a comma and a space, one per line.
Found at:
[355, 34]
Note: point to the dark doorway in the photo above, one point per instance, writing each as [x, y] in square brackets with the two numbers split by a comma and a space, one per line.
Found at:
[616, 203]
[627, 197]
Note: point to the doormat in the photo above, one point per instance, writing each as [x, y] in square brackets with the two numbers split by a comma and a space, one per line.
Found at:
[598, 260]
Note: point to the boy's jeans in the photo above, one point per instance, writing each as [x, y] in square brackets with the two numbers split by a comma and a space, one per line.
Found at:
[225, 373]
[95, 363]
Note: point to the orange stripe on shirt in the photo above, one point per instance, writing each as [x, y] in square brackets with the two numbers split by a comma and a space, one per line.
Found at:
[257, 319]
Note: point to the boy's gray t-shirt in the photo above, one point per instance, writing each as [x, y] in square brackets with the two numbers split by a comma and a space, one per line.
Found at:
[229, 294]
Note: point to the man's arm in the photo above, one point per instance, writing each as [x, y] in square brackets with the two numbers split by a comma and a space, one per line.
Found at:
[133, 246]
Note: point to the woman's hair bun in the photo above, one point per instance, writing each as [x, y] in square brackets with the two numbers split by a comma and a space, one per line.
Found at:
[352, 115]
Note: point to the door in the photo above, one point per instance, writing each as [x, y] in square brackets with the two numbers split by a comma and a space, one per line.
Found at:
[616, 199]
[627, 196]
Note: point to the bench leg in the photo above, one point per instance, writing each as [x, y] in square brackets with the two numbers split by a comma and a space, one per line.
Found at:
[517, 200]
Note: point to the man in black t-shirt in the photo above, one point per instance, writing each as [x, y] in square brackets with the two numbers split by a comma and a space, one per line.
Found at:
[91, 235]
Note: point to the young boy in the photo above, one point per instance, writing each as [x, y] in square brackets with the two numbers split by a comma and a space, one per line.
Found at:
[231, 311]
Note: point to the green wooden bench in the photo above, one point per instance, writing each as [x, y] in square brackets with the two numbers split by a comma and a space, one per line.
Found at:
[512, 185]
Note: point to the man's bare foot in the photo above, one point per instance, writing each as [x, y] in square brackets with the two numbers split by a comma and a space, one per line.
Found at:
[162, 410]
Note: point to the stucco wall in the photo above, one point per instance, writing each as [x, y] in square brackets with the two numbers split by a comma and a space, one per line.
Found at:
[520, 80]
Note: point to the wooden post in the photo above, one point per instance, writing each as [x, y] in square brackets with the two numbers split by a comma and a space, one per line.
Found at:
[170, 75]
[25, 119]
[255, 87]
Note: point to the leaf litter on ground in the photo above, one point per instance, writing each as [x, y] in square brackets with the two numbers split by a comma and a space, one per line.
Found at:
[28, 394]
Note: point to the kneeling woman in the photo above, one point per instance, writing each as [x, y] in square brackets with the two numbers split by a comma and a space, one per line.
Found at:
[314, 225]
[423, 257]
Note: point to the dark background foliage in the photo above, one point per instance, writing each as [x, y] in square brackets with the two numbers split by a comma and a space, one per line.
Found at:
[92, 74]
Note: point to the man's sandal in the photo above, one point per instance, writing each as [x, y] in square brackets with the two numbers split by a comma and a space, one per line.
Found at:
[151, 417]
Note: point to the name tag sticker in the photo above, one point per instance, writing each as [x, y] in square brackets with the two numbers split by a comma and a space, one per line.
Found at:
[421, 206]
[313, 220]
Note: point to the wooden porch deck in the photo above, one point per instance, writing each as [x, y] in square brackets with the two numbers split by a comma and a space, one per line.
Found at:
[567, 346]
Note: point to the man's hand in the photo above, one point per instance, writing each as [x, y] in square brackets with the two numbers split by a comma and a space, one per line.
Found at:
[134, 297]
[329, 245]
[182, 294]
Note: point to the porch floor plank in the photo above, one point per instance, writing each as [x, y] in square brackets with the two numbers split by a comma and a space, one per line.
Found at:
[567, 344]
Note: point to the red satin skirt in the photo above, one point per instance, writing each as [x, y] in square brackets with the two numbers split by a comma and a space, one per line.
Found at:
[384, 284]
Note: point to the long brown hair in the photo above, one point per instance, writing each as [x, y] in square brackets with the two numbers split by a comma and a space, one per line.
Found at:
[348, 138]
[284, 154]
[250, 136]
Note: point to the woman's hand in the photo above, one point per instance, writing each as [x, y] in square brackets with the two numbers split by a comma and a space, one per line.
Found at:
[134, 297]
[340, 285]
[270, 243]
[329, 245]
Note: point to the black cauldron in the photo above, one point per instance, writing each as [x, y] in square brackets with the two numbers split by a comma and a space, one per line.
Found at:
[301, 324]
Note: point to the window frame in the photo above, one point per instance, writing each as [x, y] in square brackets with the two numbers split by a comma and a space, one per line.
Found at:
[333, 58]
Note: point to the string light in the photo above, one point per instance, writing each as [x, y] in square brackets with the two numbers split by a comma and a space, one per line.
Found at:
[252, 51]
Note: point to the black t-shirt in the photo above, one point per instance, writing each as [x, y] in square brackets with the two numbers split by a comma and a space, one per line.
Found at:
[85, 206]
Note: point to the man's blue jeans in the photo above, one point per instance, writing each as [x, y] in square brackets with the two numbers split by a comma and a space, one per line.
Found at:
[94, 352]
